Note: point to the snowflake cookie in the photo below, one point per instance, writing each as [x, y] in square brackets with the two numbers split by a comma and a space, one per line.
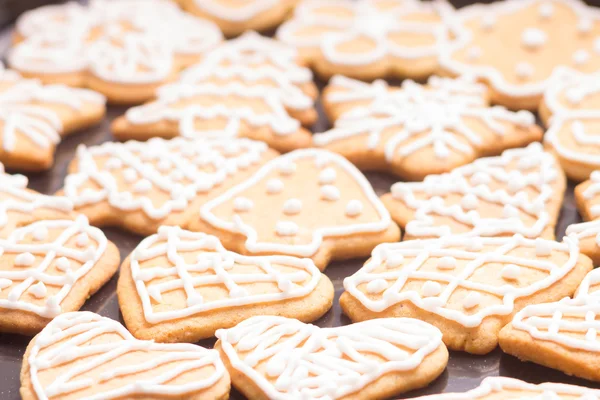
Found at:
[520, 191]
[238, 16]
[369, 39]
[280, 358]
[123, 49]
[182, 286]
[308, 203]
[587, 197]
[499, 387]
[140, 186]
[34, 117]
[537, 38]
[415, 130]
[468, 287]
[249, 87]
[85, 356]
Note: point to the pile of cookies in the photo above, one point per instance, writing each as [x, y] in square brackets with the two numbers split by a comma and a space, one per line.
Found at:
[240, 208]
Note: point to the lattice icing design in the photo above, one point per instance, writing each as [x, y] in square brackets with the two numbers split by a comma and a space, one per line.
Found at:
[191, 262]
[47, 259]
[92, 357]
[461, 279]
[288, 359]
[517, 192]
[312, 195]
[133, 175]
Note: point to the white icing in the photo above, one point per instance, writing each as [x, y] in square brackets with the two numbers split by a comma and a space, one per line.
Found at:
[63, 264]
[286, 228]
[524, 70]
[40, 234]
[38, 290]
[585, 25]
[546, 10]
[511, 272]
[377, 286]
[327, 176]
[430, 289]
[533, 38]
[274, 186]
[580, 57]
[472, 300]
[242, 204]
[446, 262]
[474, 53]
[24, 259]
[292, 206]
[354, 208]
[242, 13]
[330, 192]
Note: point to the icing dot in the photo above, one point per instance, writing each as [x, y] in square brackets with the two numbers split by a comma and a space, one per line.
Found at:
[176, 175]
[164, 165]
[130, 175]
[447, 262]
[511, 272]
[524, 70]
[469, 202]
[286, 228]
[38, 290]
[274, 186]
[286, 167]
[546, 10]
[82, 239]
[474, 53]
[238, 292]
[63, 264]
[585, 25]
[487, 22]
[113, 163]
[330, 192]
[580, 57]
[154, 292]
[574, 96]
[292, 206]
[241, 204]
[142, 186]
[377, 286]
[525, 118]
[394, 260]
[431, 288]
[543, 247]
[597, 45]
[480, 178]
[4, 283]
[354, 208]
[510, 211]
[24, 259]
[40, 233]
[473, 299]
[533, 38]
[516, 182]
[326, 176]
[275, 366]
[231, 149]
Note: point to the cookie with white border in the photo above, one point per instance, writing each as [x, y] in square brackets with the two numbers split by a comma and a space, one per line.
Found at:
[468, 287]
[538, 37]
[181, 286]
[85, 356]
[123, 49]
[280, 358]
[308, 203]
[417, 130]
[370, 39]
[248, 87]
[587, 197]
[140, 186]
[51, 267]
[520, 191]
[34, 117]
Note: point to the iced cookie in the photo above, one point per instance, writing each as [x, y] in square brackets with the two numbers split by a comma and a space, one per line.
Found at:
[281, 358]
[370, 39]
[468, 287]
[82, 355]
[237, 16]
[140, 186]
[417, 130]
[51, 267]
[520, 191]
[248, 87]
[34, 117]
[560, 335]
[499, 387]
[587, 197]
[308, 203]
[181, 286]
[537, 38]
[123, 49]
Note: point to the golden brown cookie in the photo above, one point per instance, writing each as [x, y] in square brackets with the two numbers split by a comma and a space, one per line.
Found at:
[417, 130]
[82, 355]
[274, 357]
[370, 39]
[520, 191]
[248, 87]
[140, 186]
[181, 286]
[237, 16]
[123, 49]
[308, 203]
[467, 286]
[536, 37]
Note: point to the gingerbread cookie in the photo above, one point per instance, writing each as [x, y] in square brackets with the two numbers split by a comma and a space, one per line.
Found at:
[416, 130]
[308, 203]
[248, 87]
[499, 387]
[538, 37]
[560, 335]
[85, 356]
[34, 117]
[370, 39]
[181, 286]
[468, 287]
[123, 49]
[587, 197]
[520, 191]
[280, 358]
[236, 17]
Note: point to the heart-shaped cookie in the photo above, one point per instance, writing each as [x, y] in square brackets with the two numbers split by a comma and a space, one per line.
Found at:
[84, 356]
[181, 286]
[280, 358]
